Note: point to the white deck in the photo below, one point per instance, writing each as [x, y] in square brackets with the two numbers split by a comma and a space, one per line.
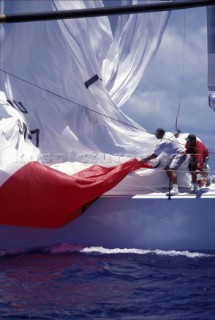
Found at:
[204, 193]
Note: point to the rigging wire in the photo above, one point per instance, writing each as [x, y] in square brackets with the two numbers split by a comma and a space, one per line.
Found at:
[182, 76]
[78, 104]
[74, 102]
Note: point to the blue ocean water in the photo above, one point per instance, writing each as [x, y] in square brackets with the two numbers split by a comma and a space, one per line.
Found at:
[69, 282]
[65, 282]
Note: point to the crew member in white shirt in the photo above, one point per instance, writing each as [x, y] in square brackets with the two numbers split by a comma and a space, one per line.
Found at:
[169, 144]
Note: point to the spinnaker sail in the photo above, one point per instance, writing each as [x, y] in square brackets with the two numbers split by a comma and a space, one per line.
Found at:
[62, 84]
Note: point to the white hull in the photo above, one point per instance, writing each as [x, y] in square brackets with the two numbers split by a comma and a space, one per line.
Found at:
[146, 221]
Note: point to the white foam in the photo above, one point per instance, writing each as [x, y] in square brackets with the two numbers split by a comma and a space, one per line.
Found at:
[172, 253]
[71, 248]
[114, 251]
[187, 254]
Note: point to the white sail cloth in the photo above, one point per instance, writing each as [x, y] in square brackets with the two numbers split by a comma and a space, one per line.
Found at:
[44, 67]
[134, 45]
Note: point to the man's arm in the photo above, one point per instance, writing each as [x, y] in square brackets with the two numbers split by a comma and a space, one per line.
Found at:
[152, 156]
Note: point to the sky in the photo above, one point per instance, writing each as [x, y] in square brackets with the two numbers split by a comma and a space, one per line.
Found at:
[177, 76]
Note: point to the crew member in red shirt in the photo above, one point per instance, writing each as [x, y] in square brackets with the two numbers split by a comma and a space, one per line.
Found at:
[198, 154]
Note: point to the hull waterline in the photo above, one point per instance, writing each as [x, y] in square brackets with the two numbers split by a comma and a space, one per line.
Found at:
[146, 221]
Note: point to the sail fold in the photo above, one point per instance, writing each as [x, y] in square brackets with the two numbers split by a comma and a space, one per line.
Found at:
[40, 196]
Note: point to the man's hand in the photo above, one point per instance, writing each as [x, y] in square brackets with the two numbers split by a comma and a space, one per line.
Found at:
[152, 156]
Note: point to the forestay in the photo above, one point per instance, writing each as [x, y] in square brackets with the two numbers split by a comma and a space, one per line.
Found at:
[211, 54]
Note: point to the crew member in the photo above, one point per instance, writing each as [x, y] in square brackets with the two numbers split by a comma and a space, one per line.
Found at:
[198, 156]
[176, 155]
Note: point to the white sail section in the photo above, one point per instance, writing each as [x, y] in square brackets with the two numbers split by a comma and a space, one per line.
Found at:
[211, 55]
[135, 43]
[67, 79]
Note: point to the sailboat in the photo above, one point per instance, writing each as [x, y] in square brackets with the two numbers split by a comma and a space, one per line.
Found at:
[70, 169]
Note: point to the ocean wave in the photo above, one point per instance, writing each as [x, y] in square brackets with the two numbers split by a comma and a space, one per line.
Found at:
[84, 249]
[172, 253]
[53, 249]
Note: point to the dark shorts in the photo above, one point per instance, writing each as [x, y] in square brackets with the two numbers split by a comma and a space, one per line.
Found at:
[192, 164]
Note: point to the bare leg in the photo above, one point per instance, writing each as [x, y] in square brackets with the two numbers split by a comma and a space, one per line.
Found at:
[172, 175]
[194, 178]
[172, 179]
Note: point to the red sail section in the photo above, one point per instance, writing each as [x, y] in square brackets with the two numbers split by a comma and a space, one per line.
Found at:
[40, 196]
